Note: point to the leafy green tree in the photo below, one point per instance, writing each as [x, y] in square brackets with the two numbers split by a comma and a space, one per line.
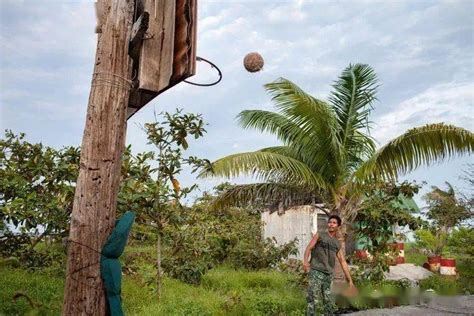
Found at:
[328, 154]
[150, 186]
[430, 240]
[445, 212]
[462, 241]
[36, 187]
[384, 206]
[445, 209]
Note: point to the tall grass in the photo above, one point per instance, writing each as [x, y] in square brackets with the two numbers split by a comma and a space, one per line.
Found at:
[224, 291]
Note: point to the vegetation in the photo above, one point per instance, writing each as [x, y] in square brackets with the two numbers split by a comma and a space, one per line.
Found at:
[444, 212]
[327, 152]
[209, 254]
[36, 189]
[381, 210]
[155, 193]
[224, 291]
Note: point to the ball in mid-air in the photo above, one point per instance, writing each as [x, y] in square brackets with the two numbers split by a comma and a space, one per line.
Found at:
[253, 62]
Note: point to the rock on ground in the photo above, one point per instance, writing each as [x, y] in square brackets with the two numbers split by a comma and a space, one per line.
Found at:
[408, 271]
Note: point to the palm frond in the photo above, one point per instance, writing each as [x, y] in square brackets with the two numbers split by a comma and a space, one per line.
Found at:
[315, 118]
[305, 144]
[267, 166]
[352, 98]
[437, 193]
[265, 195]
[274, 123]
[283, 150]
[424, 145]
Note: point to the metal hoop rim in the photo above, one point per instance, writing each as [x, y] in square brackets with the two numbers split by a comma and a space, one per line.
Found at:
[219, 72]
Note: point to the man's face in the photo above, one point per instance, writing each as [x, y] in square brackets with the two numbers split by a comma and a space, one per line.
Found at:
[332, 225]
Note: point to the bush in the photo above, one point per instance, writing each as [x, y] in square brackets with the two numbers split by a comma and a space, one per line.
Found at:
[441, 284]
[295, 267]
[18, 251]
[434, 244]
[465, 267]
[461, 241]
[259, 254]
[372, 271]
[414, 254]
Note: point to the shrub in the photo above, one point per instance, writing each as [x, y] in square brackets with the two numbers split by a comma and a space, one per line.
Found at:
[461, 241]
[431, 242]
[259, 254]
[441, 284]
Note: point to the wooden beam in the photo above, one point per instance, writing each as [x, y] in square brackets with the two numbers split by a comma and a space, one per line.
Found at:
[184, 63]
[138, 32]
[156, 56]
[154, 79]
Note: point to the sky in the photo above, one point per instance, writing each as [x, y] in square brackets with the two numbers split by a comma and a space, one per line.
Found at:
[422, 52]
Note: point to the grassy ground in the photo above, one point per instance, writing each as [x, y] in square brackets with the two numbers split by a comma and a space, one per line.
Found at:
[222, 292]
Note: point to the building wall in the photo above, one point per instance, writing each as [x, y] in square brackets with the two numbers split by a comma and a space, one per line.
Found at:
[299, 222]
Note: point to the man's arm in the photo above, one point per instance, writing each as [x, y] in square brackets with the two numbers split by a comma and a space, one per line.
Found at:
[345, 267]
[307, 252]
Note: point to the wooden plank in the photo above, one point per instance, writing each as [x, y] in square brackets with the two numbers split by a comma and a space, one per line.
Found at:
[156, 56]
[193, 35]
[138, 31]
[183, 57]
[184, 44]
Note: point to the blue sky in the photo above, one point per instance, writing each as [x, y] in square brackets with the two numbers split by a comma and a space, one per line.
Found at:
[421, 50]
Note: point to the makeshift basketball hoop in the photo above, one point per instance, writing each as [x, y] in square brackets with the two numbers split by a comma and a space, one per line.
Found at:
[162, 47]
[207, 84]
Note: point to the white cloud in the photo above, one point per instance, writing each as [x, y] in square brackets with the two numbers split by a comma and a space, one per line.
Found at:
[46, 64]
[451, 103]
[292, 13]
[69, 31]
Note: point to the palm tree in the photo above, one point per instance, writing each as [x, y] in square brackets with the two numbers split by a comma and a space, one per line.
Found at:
[327, 153]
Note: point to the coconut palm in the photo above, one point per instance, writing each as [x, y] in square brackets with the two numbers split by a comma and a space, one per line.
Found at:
[327, 153]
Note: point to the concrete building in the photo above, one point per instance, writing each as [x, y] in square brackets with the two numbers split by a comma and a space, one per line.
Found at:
[299, 222]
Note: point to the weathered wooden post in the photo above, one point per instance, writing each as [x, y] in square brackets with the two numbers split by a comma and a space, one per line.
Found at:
[95, 199]
[115, 96]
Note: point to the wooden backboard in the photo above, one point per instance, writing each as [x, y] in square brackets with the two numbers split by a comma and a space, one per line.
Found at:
[167, 54]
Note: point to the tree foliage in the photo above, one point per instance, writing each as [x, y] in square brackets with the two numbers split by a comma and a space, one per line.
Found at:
[37, 186]
[445, 210]
[327, 152]
[383, 208]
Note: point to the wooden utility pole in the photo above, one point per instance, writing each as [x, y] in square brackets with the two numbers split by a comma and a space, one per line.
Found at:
[95, 200]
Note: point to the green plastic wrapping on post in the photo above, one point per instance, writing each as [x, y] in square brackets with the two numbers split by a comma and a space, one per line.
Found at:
[110, 268]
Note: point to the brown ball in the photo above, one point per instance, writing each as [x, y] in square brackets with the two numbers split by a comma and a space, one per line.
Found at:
[253, 62]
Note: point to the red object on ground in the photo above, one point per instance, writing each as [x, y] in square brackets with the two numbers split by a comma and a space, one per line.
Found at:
[448, 266]
[434, 262]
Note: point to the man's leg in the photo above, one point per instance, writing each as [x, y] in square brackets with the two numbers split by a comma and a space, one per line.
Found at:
[328, 305]
[315, 296]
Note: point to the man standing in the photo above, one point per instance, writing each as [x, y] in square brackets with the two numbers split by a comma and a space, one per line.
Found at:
[324, 248]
